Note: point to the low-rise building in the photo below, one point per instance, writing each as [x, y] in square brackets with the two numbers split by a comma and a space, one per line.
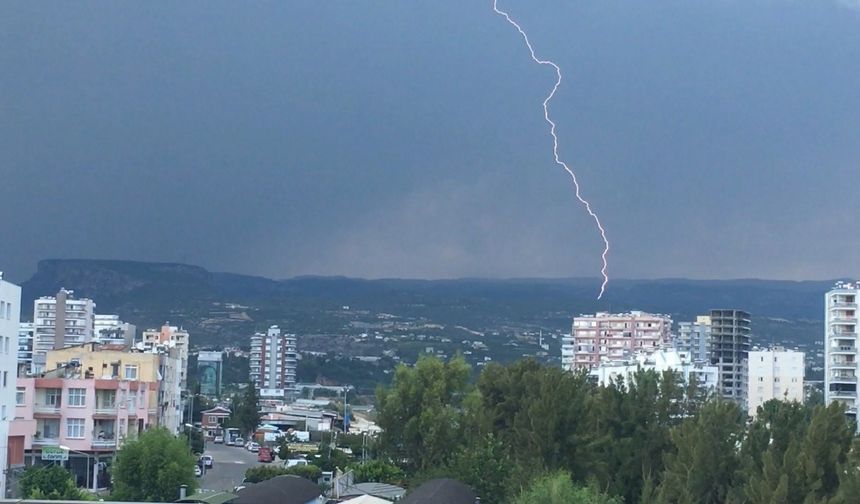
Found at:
[707, 376]
[213, 420]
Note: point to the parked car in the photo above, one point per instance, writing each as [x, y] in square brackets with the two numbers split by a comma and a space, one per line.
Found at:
[253, 447]
[219, 440]
[207, 460]
[198, 471]
[265, 454]
[238, 442]
[295, 462]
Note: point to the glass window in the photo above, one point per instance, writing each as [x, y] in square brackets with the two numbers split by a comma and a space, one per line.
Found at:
[19, 396]
[130, 372]
[75, 428]
[77, 397]
[53, 397]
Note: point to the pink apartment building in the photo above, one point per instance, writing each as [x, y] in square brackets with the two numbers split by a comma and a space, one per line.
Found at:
[89, 415]
[613, 336]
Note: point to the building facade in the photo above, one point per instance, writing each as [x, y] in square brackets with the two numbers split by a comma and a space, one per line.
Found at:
[10, 321]
[273, 361]
[731, 340]
[60, 321]
[111, 330]
[26, 335]
[775, 374]
[612, 337]
[695, 338]
[209, 373]
[682, 363]
[840, 346]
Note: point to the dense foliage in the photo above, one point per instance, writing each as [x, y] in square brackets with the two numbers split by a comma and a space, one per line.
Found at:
[527, 431]
[245, 410]
[194, 438]
[50, 483]
[262, 473]
[153, 467]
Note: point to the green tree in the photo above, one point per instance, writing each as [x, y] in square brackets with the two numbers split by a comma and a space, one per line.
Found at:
[558, 488]
[50, 483]
[153, 467]
[246, 410]
[263, 472]
[195, 439]
[703, 466]
[378, 471]
[420, 413]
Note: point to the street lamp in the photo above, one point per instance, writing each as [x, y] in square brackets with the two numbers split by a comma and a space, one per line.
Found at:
[88, 456]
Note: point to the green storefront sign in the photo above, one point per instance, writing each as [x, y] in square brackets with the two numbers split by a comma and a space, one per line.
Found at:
[54, 453]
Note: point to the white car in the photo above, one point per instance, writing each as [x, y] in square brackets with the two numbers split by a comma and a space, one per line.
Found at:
[238, 442]
[207, 460]
[198, 471]
[295, 462]
[253, 447]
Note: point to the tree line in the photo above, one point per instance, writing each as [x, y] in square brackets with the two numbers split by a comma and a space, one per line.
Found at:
[528, 431]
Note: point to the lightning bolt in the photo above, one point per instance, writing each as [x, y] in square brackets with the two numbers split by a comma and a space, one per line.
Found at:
[555, 143]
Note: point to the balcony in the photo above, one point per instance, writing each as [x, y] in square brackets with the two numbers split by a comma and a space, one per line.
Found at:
[46, 441]
[843, 349]
[843, 378]
[47, 409]
[843, 305]
[843, 394]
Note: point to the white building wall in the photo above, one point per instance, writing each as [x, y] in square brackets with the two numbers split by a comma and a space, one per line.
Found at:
[707, 376]
[840, 346]
[775, 374]
[10, 320]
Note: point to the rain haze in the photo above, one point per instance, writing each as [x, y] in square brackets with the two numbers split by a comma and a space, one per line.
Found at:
[716, 139]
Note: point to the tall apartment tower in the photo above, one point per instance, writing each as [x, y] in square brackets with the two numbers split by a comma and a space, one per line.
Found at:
[273, 364]
[60, 321]
[26, 334]
[840, 346]
[730, 348]
[10, 321]
[695, 338]
[613, 336]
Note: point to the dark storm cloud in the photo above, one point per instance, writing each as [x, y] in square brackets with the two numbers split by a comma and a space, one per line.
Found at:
[716, 139]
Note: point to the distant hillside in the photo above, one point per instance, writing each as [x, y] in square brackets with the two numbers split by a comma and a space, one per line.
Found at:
[150, 293]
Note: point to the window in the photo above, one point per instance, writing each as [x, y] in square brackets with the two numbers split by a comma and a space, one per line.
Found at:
[5, 378]
[3, 412]
[8, 311]
[132, 401]
[53, 397]
[77, 397]
[130, 372]
[19, 396]
[75, 428]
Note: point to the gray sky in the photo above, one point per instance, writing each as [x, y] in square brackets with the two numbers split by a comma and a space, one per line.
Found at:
[716, 138]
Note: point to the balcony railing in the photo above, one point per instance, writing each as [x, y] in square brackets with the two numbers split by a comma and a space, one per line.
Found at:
[105, 409]
[41, 440]
[106, 442]
[47, 408]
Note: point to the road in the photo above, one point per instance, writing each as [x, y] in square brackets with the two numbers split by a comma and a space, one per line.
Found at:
[228, 468]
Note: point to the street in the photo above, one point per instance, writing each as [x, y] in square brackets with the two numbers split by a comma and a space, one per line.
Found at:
[228, 468]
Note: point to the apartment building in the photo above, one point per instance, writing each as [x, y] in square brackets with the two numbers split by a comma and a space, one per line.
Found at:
[273, 361]
[111, 330]
[611, 337]
[10, 319]
[731, 340]
[682, 363]
[840, 346]
[26, 335]
[60, 321]
[695, 338]
[169, 337]
[775, 373]
[90, 402]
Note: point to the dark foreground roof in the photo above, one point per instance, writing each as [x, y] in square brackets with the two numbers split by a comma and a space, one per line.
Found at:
[441, 491]
[287, 489]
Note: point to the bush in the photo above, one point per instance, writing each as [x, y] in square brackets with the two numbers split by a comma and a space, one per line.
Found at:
[50, 483]
[262, 473]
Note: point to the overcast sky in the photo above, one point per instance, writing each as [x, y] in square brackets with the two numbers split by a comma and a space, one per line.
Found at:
[716, 139]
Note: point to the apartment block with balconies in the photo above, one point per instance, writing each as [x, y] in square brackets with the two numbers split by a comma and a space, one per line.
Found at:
[273, 361]
[612, 337]
[60, 321]
[840, 346]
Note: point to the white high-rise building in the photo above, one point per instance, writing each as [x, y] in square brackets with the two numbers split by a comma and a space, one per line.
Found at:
[26, 333]
[10, 321]
[613, 336]
[273, 362]
[61, 321]
[775, 374]
[840, 346]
